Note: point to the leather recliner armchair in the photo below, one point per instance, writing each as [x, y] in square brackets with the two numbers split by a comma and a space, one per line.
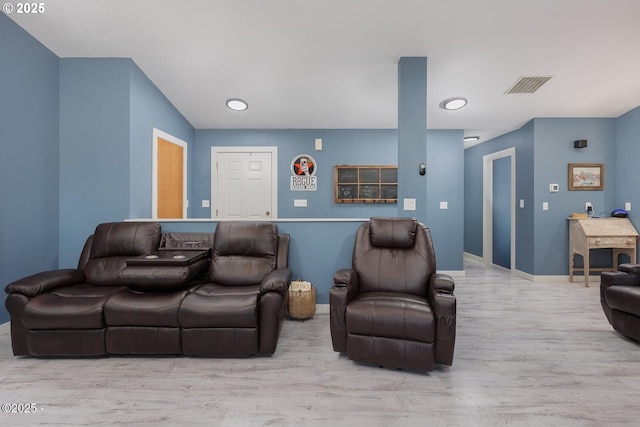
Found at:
[392, 308]
[620, 299]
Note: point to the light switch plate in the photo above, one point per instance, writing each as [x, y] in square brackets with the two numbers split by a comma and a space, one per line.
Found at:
[521, 203]
[627, 206]
[318, 144]
[545, 206]
[300, 203]
[409, 204]
[444, 205]
[205, 203]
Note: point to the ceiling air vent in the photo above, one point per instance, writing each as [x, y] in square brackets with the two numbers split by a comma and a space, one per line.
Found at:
[528, 84]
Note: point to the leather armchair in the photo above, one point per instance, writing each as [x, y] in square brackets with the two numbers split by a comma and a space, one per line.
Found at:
[620, 299]
[392, 308]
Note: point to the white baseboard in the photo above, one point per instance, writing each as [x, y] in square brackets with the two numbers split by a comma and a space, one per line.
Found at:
[453, 273]
[537, 278]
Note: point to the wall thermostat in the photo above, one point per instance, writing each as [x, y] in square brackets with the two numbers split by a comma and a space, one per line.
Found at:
[554, 188]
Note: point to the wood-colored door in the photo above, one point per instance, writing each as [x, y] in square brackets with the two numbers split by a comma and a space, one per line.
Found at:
[243, 185]
[170, 179]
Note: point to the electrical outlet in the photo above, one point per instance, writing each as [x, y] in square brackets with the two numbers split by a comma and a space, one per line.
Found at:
[627, 206]
[588, 205]
[545, 206]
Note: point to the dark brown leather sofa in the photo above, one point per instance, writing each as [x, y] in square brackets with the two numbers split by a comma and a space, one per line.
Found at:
[392, 308]
[620, 299]
[231, 304]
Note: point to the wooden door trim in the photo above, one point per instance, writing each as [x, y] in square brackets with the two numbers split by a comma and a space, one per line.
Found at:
[257, 149]
[154, 170]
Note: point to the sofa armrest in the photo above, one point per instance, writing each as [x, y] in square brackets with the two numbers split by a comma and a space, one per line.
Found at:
[276, 281]
[613, 278]
[45, 281]
[441, 295]
[622, 277]
[443, 301]
[442, 283]
[633, 269]
[348, 279]
[345, 287]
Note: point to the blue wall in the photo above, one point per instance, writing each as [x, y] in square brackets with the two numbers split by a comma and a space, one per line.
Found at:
[339, 147]
[523, 141]
[445, 183]
[28, 156]
[412, 134]
[150, 109]
[544, 148]
[108, 109]
[553, 152]
[94, 149]
[626, 169]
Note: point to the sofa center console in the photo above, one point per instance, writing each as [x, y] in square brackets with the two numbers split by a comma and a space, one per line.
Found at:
[169, 258]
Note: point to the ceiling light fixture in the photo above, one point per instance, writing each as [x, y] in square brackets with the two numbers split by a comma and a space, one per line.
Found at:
[471, 138]
[236, 104]
[453, 103]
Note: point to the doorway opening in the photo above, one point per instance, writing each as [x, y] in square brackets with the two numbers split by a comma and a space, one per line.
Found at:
[499, 208]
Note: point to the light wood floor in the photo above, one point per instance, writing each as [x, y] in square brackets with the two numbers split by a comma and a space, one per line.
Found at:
[527, 354]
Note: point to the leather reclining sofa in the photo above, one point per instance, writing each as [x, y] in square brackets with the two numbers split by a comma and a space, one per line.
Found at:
[229, 302]
[620, 299]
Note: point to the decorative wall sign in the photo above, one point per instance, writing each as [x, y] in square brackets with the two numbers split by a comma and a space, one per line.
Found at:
[586, 176]
[365, 184]
[303, 169]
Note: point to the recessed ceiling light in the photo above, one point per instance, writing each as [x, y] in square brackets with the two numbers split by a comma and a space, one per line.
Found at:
[237, 104]
[470, 138]
[453, 103]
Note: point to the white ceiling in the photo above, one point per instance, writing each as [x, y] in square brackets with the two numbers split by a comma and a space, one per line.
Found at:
[317, 64]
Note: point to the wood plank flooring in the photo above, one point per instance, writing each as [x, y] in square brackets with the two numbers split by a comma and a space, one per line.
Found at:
[527, 354]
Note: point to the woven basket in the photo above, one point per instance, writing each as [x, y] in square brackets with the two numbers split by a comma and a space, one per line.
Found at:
[302, 300]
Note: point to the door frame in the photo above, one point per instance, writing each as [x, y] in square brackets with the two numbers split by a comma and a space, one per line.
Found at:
[157, 133]
[273, 150]
[487, 204]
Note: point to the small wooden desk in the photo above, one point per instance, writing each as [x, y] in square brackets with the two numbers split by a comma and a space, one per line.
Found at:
[593, 233]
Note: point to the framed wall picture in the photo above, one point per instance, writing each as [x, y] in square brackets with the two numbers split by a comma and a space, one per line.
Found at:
[586, 176]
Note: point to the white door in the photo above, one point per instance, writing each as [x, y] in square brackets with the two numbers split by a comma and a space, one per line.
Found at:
[243, 185]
